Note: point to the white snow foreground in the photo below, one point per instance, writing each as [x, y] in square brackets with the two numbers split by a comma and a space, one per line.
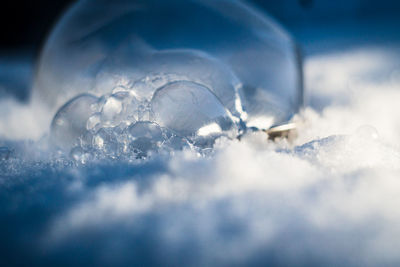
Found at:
[331, 198]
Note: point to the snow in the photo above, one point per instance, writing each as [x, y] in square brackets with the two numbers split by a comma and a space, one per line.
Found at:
[331, 197]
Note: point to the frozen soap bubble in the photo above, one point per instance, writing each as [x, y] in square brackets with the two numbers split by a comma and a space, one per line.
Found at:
[100, 44]
[70, 121]
[190, 109]
[196, 69]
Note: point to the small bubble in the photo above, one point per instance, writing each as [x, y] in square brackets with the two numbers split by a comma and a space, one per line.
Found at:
[144, 137]
[70, 122]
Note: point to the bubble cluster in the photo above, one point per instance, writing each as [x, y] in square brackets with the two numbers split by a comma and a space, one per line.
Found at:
[179, 114]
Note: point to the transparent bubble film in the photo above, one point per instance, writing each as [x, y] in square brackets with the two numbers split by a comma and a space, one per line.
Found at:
[139, 77]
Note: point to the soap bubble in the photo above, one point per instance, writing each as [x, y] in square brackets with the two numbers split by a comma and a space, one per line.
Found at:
[245, 58]
[70, 121]
[139, 75]
[190, 109]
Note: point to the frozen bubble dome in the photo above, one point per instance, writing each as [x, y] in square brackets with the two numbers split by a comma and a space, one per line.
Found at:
[132, 77]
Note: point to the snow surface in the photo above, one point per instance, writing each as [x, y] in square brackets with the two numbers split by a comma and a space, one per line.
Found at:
[329, 198]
